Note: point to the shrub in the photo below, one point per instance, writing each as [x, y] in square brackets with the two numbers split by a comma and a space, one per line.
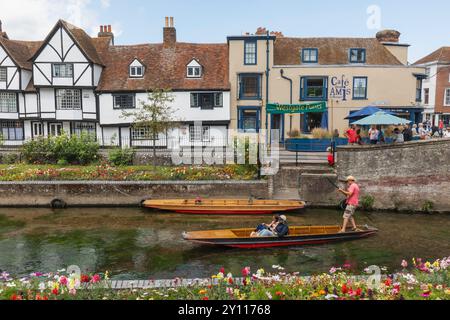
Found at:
[75, 149]
[367, 202]
[121, 157]
[320, 133]
[428, 206]
[10, 158]
[294, 134]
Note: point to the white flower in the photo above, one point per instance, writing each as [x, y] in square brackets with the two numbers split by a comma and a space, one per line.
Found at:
[42, 286]
[331, 296]
[269, 295]
[10, 284]
[62, 270]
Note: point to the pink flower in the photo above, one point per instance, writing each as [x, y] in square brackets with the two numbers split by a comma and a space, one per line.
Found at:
[426, 294]
[95, 278]
[404, 264]
[246, 271]
[63, 280]
[222, 270]
[347, 266]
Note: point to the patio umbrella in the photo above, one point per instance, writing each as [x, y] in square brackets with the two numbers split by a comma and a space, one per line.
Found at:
[365, 112]
[381, 118]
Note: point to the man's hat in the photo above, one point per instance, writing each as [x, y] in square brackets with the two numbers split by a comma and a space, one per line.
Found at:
[283, 217]
[350, 178]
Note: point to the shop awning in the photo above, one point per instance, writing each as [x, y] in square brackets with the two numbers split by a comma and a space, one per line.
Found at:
[274, 108]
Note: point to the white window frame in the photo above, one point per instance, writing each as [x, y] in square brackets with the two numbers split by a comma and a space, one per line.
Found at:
[134, 71]
[67, 70]
[65, 101]
[38, 129]
[194, 72]
[447, 95]
[8, 102]
[200, 133]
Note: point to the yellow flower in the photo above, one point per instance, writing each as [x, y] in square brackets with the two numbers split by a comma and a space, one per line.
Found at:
[447, 291]
[203, 291]
[322, 292]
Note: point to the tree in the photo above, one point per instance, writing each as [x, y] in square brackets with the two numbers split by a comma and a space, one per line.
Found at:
[155, 116]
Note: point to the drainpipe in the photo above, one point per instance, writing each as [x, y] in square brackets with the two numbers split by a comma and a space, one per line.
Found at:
[267, 79]
[290, 96]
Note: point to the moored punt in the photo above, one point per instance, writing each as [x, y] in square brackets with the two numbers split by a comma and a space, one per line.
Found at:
[225, 206]
[298, 236]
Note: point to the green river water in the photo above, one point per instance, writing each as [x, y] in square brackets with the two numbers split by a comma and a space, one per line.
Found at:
[138, 244]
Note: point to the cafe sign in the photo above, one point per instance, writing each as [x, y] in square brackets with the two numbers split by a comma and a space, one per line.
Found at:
[340, 88]
[296, 108]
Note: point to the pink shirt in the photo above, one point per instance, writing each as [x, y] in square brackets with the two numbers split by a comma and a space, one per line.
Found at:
[353, 200]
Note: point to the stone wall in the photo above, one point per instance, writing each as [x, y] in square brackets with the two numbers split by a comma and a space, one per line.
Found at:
[32, 194]
[403, 176]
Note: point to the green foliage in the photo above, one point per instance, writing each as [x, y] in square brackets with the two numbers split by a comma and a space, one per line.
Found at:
[10, 158]
[64, 149]
[367, 202]
[121, 157]
[428, 206]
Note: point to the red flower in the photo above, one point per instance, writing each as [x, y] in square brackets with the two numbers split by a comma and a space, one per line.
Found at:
[55, 291]
[344, 289]
[388, 282]
[230, 280]
[246, 271]
[15, 297]
[96, 278]
[358, 292]
[222, 270]
[205, 298]
[85, 278]
[279, 293]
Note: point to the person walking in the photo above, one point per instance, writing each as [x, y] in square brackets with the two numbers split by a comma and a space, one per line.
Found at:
[441, 128]
[352, 194]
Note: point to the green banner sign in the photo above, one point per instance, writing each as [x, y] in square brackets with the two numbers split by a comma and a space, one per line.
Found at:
[296, 108]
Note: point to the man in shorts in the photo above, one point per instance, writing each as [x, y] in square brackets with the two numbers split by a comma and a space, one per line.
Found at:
[352, 194]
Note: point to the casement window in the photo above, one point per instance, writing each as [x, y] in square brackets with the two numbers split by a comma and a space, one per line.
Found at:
[419, 89]
[314, 88]
[310, 55]
[447, 97]
[11, 130]
[8, 102]
[3, 74]
[359, 88]
[249, 86]
[142, 133]
[68, 99]
[38, 129]
[357, 55]
[250, 47]
[249, 119]
[200, 133]
[426, 96]
[63, 70]
[83, 127]
[136, 71]
[124, 101]
[194, 72]
[207, 101]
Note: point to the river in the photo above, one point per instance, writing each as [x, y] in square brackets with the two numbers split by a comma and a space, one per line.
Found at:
[138, 244]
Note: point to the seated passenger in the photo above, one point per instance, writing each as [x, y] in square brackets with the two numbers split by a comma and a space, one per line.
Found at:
[266, 229]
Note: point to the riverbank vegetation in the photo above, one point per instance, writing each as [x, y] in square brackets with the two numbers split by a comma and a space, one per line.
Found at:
[106, 172]
[421, 281]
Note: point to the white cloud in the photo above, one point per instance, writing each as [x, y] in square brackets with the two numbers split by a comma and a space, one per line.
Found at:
[33, 19]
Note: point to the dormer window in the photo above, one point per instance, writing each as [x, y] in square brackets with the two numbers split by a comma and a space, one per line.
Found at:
[310, 55]
[357, 55]
[194, 69]
[137, 69]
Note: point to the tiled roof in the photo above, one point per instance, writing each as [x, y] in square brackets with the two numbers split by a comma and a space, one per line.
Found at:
[332, 51]
[20, 51]
[440, 55]
[165, 67]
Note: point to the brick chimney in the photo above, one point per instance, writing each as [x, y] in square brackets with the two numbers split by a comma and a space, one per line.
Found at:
[2, 34]
[388, 36]
[169, 33]
[106, 32]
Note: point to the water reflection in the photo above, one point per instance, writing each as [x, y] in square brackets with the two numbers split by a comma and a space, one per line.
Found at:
[132, 243]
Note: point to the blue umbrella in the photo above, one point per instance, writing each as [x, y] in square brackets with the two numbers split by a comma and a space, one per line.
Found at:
[364, 112]
[381, 118]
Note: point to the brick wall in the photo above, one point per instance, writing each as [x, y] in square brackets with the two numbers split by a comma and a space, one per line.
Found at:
[402, 176]
[443, 82]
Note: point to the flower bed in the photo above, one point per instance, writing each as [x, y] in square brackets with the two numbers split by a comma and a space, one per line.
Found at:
[424, 281]
[106, 172]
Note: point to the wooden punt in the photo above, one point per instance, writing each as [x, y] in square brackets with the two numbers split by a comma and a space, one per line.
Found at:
[298, 236]
[225, 206]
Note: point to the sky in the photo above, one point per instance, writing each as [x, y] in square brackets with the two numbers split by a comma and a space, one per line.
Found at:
[424, 25]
